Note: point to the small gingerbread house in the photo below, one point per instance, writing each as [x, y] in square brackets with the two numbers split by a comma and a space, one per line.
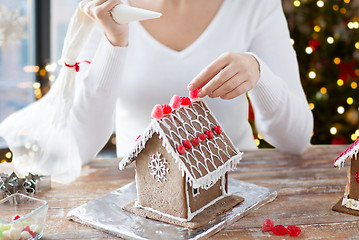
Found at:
[350, 202]
[182, 160]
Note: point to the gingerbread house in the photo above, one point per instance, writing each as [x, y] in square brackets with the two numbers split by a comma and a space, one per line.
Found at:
[350, 202]
[182, 163]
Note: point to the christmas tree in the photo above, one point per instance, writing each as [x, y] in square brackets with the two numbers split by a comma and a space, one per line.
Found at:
[325, 35]
[326, 38]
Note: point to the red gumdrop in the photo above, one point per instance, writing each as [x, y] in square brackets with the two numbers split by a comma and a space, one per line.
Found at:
[209, 134]
[26, 228]
[181, 150]
[195, 141]
[217, 129]
[268, 225]
[293, 231]
[14, 218]
[194, 94]
[279, 230]
[157, 112]
[202, 136]
[357, 177]
[185, 101]
[166, 108]
[187, 144]
[175, 102]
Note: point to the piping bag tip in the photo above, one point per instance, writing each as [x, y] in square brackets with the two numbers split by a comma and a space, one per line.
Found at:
[124, 14]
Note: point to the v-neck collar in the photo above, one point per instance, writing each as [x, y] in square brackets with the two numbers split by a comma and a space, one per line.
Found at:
[194, 44]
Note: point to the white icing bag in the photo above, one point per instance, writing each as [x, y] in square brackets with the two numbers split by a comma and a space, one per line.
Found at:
[39, 136]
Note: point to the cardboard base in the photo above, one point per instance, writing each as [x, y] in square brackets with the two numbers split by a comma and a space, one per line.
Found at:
[199, 220]
[339, 208]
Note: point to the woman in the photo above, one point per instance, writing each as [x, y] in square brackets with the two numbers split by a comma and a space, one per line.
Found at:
[225, 47]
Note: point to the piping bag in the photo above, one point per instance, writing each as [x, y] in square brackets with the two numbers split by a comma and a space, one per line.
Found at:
[39, 135]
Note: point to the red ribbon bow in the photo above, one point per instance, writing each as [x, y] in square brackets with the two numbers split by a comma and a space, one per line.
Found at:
[76, 65]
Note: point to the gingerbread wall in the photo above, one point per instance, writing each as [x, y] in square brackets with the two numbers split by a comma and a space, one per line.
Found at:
[205, 196]
[354, 185]
[167, 196]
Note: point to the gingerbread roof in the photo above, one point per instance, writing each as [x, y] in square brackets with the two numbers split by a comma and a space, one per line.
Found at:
[202, 161]
[350, 152]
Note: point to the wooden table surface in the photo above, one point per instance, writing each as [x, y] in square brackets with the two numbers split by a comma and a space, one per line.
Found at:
[308, 186]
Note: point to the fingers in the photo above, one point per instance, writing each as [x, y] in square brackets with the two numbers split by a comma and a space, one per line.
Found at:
[96, 9]
[241, 89]
[221, 82]
[229, 76]
[208, 73]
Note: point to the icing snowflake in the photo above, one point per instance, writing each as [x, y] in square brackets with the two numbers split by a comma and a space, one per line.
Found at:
[159, 167]
[12, 26]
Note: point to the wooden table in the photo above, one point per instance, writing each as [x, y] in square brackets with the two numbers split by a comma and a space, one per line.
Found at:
[307, 185]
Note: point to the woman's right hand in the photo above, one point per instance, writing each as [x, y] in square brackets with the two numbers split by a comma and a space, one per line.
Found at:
[100, 12]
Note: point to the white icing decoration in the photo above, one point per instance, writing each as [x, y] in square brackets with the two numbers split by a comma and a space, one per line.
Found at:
[159, 167]
[199, 170]
[190, 214]
[350, 203]
[352, 153]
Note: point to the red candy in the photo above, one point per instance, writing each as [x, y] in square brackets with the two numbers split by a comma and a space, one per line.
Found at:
[138, 137]
[194, 94]
[202, 136]
[209, 134]
[175, 102]
[181, 150]
[217, 129]
[157, 112]
[268, 225]
[187, 144]
[279, 230]
[185, 101]
[166, 108]
[195, 141]
[14, 218]
[293, 231]
[357, 177]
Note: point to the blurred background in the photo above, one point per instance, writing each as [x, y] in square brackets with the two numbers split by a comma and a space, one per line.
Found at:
[324, 33]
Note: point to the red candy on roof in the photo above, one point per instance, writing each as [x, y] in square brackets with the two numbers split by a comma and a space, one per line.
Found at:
[187, 144]
[195, 141]
[217, 129]
[202, 136]
[194, 94]
[157, 112]
[175, 102]
[185, 101]
[166, 108]
[181, 150]
[210, 134]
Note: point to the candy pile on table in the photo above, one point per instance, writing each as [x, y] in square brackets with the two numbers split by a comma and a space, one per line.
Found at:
[268, 225]
[19, 230]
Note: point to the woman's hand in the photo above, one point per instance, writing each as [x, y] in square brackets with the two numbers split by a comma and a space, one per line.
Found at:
[228, 77]
[100, 12]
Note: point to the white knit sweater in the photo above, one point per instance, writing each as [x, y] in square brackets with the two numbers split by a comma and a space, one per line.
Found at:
[130, 81]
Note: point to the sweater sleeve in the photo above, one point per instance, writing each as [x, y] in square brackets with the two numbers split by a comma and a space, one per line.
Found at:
[92, 116]
[282, 114]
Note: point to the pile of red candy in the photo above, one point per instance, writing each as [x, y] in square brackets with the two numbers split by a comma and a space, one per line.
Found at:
[280, 229]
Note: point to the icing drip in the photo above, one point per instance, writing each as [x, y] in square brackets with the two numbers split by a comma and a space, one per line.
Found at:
[350, 152]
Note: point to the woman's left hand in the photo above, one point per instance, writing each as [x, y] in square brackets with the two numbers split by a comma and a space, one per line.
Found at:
[228, 77]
